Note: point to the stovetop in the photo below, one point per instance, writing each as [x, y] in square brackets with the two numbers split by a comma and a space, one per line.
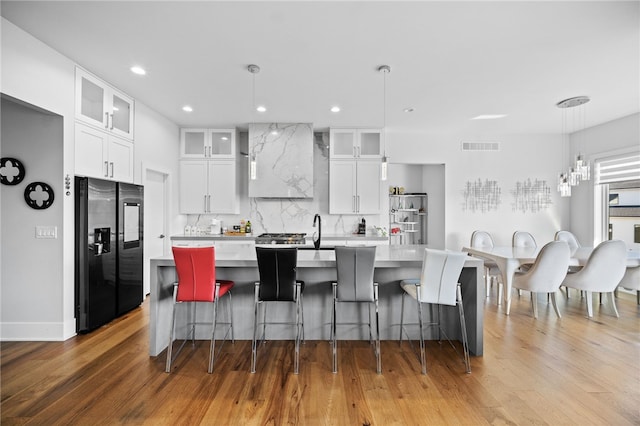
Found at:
[280, 238]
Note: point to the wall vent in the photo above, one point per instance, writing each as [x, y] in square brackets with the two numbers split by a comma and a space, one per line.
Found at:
[481, 146]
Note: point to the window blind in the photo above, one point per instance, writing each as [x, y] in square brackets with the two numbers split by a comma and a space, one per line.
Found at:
[620, 168]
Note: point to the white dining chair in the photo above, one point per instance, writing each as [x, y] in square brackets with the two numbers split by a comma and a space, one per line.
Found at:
[574, 244]
[523, 239]
[602, 273]
[482, 239]
[546, 274]
[631, 281]
[569, 238]
[438, 284]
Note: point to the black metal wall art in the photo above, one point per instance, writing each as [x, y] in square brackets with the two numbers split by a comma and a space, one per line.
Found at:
[11, 171]
[38, 195]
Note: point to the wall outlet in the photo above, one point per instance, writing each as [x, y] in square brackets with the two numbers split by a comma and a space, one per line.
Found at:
[46, 232]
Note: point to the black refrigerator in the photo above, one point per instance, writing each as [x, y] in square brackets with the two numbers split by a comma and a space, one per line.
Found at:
[108, 250]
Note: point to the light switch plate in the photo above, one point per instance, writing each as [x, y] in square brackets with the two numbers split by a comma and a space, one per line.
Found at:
[46, 232]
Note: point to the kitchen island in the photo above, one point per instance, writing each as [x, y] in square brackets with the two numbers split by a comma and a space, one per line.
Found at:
[317, 269]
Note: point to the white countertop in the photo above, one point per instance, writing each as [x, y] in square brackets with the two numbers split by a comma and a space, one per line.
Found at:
[244, 255]
[308, 238]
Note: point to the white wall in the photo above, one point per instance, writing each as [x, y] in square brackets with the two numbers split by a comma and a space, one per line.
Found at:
[31, 268]
[157, 146]
[35, 73]
[520, 157]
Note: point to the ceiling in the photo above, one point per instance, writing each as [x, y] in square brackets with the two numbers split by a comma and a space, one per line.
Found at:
[450, 61]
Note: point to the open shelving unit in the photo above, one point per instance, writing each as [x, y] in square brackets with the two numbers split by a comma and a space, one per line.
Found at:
[408, 218]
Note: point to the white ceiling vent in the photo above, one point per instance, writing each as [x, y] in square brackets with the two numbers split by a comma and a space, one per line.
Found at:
[481, 146]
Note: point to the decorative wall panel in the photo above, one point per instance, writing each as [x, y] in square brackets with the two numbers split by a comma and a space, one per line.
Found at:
[482, 196]
[284, 160]
[531, 196]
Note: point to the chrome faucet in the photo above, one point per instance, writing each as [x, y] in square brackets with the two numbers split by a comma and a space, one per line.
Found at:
[317, 235]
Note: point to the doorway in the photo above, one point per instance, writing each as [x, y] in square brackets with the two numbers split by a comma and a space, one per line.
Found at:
[156, 190]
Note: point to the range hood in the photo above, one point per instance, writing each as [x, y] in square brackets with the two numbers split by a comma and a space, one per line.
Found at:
[283, 155]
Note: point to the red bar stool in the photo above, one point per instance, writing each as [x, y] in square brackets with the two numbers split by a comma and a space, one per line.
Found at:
[196, 269]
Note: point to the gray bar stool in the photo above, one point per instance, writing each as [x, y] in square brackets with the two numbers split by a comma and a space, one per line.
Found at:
[355, 284]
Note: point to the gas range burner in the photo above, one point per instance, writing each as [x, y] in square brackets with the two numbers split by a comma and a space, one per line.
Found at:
[282, 238]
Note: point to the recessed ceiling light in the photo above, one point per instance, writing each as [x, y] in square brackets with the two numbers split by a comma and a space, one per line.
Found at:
[335, 109]
[409, 109]
[274, 132]
[489, 116]
[261, 108]
[187, 108]
[224, 138]
[138, 70]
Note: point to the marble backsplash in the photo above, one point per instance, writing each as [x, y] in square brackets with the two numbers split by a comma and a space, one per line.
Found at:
[292, 214]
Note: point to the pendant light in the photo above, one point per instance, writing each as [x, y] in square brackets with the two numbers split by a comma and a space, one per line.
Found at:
[384, 69]
[253, 166]
[580, 169]
[564, 187]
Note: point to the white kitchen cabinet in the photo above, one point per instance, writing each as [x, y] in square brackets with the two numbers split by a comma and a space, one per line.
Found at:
[354, 186]
[102, 155]
[208, 143]
[355, 143]
[100, 105]
[208, 186]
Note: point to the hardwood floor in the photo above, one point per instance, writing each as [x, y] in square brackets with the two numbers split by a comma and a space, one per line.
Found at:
[544, 371]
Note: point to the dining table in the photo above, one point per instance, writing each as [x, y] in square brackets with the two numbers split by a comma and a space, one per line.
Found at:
[509, 259]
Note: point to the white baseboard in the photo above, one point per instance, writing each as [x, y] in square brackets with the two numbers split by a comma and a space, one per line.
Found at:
[34, 331]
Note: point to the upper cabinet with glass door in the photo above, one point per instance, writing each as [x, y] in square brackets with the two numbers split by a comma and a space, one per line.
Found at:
[101, 105]
[355, 143]
[207, 143]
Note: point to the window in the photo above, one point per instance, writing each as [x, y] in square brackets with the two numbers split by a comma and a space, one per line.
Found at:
[620, 168]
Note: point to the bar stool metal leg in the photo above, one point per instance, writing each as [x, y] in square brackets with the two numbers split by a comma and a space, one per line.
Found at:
[423, 360]
[378, 357]
[212, 348]
[296, 362]
[171, 332]
[255, 330]
[334, 348]
[401, 318]
[463, 326]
